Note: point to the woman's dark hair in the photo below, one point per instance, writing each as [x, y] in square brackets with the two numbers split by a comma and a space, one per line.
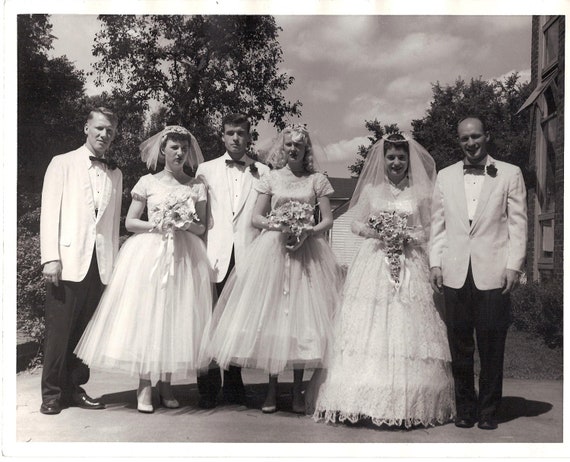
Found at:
[395, 140]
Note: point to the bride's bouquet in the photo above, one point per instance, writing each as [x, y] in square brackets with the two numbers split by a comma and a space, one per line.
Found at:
[296, 216]
[177, 211]
[394, 233]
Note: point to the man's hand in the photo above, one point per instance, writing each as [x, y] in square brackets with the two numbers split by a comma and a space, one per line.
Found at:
[436, 279]
[510, 281]
[52, 271]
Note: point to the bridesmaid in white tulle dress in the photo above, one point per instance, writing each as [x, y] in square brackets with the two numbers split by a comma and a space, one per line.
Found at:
[390, 360]
[152, 315]
[276, 312]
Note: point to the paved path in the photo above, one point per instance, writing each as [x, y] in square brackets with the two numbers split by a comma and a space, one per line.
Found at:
[532, 412]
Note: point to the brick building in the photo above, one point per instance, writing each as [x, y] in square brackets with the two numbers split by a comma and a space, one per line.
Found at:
[546, 156]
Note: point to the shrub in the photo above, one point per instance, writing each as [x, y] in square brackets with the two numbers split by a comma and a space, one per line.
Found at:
[537, 309]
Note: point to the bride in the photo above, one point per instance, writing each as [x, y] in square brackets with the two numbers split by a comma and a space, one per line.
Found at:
[390, 359]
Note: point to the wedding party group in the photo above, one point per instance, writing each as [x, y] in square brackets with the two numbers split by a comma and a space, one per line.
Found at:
[229, 267]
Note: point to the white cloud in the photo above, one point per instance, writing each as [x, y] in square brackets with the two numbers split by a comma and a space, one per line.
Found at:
[324, 91]
[524, 75]
[345, 150]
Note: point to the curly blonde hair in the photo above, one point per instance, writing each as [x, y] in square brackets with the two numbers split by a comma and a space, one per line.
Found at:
[299, 133]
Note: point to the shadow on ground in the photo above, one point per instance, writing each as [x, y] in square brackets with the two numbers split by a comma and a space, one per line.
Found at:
[188, 397]
[514, 407]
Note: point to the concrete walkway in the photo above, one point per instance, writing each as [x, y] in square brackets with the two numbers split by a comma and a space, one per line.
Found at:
[532, 413]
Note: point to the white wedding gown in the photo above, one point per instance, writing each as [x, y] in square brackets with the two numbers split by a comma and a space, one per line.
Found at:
[390, 360]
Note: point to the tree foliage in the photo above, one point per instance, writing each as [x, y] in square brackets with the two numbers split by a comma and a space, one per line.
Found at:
[378, 131]
[49, 92]
[198, 68]
[496, 102]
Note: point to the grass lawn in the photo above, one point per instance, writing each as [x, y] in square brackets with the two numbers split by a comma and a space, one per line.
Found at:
[527, 357]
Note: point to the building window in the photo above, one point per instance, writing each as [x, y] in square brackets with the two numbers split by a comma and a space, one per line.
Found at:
[550, 44]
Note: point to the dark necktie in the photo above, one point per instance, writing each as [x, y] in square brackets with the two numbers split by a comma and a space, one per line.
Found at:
[108, 162]
[231, 162]
[468, 168]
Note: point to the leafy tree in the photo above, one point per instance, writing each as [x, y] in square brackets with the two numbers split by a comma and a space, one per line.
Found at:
[378, 131]
[496, 102]
[49, 91]
[198, 67]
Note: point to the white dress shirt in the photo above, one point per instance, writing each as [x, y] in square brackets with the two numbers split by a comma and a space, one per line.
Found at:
[97, 177]
[235, 174]
[473, 183]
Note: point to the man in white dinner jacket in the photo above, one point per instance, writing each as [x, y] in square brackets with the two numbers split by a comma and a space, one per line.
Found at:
[477, 251]
[79, 234]
[230, 180]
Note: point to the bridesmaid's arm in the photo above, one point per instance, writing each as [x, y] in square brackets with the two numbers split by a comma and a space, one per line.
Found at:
[260, 210]
[133, 223]
[326, 217]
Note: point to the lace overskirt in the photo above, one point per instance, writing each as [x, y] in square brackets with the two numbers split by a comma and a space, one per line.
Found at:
[390, 359]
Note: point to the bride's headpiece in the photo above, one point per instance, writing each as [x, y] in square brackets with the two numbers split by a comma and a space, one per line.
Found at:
[150, 149]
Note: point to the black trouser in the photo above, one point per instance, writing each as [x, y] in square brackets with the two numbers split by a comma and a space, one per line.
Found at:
[487, 312]
[209, 384]
[69, 307]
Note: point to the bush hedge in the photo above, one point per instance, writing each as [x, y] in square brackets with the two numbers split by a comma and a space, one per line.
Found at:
[537, 308]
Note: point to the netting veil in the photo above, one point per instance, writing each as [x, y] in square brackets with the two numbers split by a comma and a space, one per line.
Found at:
[373, 180]
[150, 148]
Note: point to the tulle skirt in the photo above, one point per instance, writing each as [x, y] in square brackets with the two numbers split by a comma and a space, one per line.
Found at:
[152, 315]
[390, 360]
[276, 312]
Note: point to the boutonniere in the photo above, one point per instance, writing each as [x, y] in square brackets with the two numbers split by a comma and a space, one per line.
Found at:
[253, 169]
[491, 170]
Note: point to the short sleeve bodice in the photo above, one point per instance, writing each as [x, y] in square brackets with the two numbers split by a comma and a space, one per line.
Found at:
[284, 186]
[154, 192]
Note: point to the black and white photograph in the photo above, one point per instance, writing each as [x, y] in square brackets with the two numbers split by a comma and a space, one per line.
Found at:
[283, 229]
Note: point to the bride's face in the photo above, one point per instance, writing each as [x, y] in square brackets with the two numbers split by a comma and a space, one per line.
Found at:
[397, 161]
[175, 154]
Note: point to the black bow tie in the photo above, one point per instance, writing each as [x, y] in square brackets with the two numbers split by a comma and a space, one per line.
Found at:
[108, 162]
[235, 162]
[468, 168]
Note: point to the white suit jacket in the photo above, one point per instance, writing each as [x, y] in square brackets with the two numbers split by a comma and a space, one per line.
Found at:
[226, 230]
[496, 239]
[69, 227]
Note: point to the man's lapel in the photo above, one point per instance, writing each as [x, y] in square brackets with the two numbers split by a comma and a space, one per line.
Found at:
[458, 192]
[83, 172]
[223, 187]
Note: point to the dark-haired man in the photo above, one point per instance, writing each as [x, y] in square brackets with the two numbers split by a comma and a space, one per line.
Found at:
[230, 180]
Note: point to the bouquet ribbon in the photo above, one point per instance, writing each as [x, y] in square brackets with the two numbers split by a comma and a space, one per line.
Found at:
[165, 263]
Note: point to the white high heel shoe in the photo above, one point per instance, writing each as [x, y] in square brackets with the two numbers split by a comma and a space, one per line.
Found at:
[143, 407]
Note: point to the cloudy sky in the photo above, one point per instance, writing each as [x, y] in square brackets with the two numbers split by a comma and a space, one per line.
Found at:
[349, 69]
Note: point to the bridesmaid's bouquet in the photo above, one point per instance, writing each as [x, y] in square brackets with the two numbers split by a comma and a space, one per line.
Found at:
[296, 216]
[176, 212]
[394, 232]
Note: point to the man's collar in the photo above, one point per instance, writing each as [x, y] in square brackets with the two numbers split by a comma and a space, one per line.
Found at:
[483, 162]
[245, 158]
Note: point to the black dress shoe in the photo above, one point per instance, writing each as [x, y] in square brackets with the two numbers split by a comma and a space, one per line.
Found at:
[83, 401]
[234, 398]
[464, 422]
[50, 408]
[487, 423]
